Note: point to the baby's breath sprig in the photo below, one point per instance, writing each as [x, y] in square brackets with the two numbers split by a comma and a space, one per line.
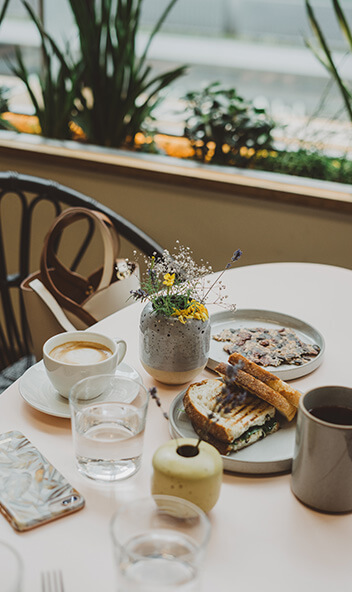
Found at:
[176, 285]
[235, 257]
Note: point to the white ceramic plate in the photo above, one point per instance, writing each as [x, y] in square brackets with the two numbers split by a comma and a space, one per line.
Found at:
[269, 320]
[37, 390]
[273, 454]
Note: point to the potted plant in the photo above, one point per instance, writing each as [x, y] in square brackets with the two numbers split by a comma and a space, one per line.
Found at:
[174, 324]
[108, 91]
[54, 93]
[122, 87]
[224, 128]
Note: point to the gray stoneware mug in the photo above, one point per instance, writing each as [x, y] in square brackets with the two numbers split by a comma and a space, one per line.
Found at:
[322, 460]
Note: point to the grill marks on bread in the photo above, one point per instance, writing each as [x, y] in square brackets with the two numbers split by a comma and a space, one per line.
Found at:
[201, 399]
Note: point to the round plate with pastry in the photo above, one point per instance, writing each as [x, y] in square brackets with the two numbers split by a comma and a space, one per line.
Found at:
[281, 343]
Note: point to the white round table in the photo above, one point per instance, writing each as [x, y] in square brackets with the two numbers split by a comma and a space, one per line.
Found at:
[262, 537]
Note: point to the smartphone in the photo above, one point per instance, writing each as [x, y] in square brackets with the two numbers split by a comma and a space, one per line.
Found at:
[32, 491]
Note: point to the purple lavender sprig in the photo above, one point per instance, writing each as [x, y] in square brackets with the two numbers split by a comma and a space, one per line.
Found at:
[139, 294]
[153, 393]
[235, 257]
[228, 399]
[231, 395]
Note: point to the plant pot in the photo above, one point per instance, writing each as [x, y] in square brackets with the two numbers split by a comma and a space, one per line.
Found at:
[170, 351]
[184, 470]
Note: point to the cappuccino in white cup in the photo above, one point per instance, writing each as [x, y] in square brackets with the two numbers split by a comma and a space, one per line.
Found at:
[74, 355]
[80, 352]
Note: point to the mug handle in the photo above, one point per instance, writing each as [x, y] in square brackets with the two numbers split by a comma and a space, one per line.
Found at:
[121, 349]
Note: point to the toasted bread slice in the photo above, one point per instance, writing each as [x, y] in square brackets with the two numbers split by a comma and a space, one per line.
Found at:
[290, 394]
[261, 390]
[201, 399]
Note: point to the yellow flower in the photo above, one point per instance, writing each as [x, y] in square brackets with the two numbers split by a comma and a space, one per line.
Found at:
[195, 310]
[169, 279]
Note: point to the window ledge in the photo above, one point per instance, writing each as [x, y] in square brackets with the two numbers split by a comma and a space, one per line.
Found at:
[161, 169]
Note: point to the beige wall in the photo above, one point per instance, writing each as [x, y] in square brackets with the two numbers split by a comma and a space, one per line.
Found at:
[212, 224]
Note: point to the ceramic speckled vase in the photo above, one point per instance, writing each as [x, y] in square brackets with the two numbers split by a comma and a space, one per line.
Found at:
[170, 351]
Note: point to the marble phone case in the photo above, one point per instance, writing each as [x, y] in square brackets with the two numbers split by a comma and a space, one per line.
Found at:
[32, 491]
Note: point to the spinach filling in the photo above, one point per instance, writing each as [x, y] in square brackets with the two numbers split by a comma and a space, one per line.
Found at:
[260, 431]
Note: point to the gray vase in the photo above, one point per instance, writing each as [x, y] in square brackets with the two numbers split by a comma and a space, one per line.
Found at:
[170, 351]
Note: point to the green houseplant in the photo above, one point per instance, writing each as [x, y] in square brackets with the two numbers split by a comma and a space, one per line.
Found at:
[123, 89]
[54, 96]
[4, 96]
[224, 127]
[108, 89]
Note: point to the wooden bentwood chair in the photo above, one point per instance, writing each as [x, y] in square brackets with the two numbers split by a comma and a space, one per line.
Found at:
[23, 198]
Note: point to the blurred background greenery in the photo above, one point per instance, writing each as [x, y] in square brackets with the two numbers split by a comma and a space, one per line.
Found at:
[99, 82]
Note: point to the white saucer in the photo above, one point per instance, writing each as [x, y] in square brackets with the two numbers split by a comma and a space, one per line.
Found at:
[37, 390]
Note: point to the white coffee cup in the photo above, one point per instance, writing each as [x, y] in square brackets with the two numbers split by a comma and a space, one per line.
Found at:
[76, 357]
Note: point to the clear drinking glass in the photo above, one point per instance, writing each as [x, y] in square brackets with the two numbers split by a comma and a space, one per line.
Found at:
[11, 569]
[159, 544]
[108, 418]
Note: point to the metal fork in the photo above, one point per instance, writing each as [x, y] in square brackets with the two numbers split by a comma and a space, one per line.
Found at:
[52, 581]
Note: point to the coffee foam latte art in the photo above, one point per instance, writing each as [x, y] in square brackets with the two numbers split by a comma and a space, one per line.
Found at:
[80, 352]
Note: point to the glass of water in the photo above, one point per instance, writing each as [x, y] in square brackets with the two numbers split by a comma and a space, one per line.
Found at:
[108, 418]
[159, 544]
[11, 569]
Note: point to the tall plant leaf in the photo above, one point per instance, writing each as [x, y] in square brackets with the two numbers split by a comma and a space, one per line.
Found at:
[325, 57]
[347, 32]
[157, 28]
[3, 10]
[3, 89]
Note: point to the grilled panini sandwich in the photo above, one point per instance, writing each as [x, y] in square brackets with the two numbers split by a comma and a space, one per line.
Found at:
[228, 429]
[232, 427]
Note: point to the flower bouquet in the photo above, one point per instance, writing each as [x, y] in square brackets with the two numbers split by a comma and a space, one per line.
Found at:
[174, 325]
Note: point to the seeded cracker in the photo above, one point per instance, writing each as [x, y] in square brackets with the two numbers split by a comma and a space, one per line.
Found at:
[268, 347]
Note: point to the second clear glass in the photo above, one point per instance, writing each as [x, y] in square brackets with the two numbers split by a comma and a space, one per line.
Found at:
[159, 544]
[108, 419]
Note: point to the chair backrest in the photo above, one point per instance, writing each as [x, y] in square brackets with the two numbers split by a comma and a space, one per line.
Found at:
[25, 196]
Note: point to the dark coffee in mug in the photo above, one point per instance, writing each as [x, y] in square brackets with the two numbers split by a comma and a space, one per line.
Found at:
[322, 459]
[81, 352]
[333, 414]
